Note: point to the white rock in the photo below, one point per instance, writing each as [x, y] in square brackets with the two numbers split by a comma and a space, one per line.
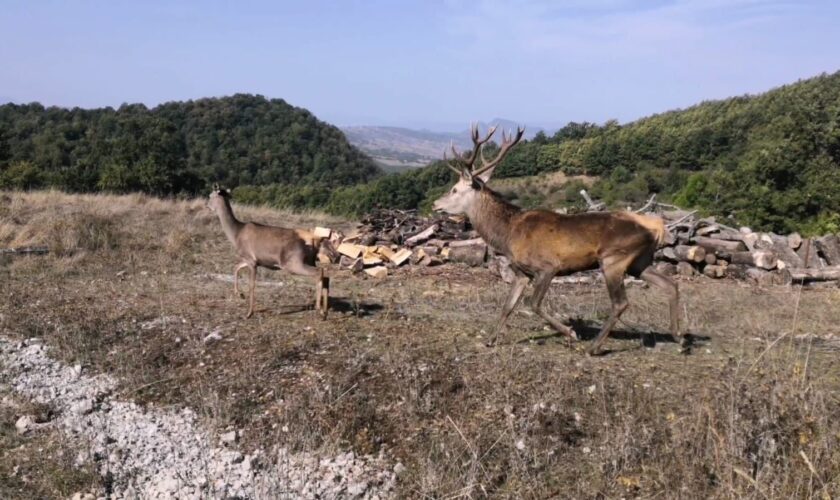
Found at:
[24, 424]
[213, 336]
[228, 437]
[83, 407]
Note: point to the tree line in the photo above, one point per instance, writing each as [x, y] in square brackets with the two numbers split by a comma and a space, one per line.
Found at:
[771, 160]
[176, 147]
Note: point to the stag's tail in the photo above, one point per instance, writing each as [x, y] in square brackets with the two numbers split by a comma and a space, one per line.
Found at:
[652, 223]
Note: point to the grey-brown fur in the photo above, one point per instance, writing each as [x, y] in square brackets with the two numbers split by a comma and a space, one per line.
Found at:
[257, 245]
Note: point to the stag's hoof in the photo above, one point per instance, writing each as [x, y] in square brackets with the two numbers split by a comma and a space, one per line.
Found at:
[595, 352]
[572, 335]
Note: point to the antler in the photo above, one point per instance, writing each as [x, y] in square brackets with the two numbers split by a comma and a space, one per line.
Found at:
[507, 143]
[467, 162]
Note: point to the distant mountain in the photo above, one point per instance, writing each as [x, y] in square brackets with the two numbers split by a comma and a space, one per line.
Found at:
[398, 148]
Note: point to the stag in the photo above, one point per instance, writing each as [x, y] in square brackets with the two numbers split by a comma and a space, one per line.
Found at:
[293, 250]
[541, 244]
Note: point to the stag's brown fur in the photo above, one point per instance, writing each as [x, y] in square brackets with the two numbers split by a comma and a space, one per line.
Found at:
[541, 244]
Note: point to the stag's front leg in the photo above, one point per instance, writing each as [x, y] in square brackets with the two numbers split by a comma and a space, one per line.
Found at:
[510, 304]
[541, 283]
[236, 270]
[614, 269]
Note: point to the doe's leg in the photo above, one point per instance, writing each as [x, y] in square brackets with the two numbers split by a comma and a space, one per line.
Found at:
[300, 268]
[322, 294]
[236, 270]
[253, 274]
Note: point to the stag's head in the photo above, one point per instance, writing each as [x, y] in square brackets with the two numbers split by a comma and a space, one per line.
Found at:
[471, 179]
[216, 201]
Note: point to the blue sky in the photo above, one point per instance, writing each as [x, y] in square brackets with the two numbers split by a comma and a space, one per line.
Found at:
[435, 64]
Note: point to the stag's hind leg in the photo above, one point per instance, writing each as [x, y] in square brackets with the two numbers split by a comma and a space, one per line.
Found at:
[541, 283]
[667, 285]
[614, 269]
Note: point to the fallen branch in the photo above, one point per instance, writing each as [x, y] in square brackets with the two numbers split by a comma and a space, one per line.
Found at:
[592, 206]
[650, 203]
[25, 251]
[681, 220]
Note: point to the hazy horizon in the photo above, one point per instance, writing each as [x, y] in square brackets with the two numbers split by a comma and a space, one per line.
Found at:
[432, 65]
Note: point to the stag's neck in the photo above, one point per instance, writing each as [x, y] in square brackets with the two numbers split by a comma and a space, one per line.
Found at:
[230, 224]
[491, 215]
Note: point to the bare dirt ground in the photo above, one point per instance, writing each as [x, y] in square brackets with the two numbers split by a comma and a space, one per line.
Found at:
[133, 286]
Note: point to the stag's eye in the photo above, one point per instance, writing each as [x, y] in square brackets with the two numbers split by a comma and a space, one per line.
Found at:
[453, 191]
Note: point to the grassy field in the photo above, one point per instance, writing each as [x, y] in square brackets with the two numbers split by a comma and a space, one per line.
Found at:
[548, 190]
[133, 285]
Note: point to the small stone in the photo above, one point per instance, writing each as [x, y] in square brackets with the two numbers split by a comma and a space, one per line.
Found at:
[399, 468]
[228, 437]
[520, 445]
[83, 407]
[214, 336]
[24, 424]
[356, 490]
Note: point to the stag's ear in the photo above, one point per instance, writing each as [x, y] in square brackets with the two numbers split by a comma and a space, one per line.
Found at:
[485, 176]
[478, 182]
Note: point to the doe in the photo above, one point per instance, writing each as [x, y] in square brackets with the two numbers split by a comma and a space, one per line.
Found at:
[257, 245]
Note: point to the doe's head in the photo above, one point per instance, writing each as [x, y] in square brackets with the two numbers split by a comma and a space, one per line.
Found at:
[461, 197]
[218, 198]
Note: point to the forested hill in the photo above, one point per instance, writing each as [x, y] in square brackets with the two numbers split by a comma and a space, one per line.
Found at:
[177, 147]
[771, 160]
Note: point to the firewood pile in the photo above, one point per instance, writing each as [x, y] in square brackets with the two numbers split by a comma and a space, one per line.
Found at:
[711, 248]
[388, 238]
[695, 246]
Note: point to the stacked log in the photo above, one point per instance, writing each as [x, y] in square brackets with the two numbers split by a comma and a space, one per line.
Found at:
[388, 239]
[744, 254]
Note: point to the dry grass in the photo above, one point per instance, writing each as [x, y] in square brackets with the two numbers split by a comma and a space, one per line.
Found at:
[543, 190]
[400, 365]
